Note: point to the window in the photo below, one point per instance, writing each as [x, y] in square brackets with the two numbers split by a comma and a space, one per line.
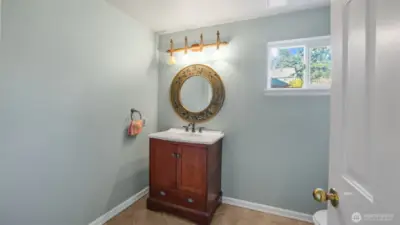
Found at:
[299, 66]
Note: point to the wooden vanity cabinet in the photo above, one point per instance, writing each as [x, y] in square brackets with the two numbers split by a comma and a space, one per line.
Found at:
[185, 179]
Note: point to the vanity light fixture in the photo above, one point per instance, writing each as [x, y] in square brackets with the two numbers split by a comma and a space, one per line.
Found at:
[186, 45]
[218, 40]
[172, 60]
[201, 43]
[185, 56]
[197, 47]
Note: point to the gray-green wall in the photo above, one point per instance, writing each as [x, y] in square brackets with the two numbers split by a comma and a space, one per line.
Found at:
[70, 70]
[276, 147]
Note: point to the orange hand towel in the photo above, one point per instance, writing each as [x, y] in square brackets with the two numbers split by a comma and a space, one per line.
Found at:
[135, 127]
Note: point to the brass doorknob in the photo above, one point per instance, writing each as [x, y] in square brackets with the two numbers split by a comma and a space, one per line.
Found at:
[322, 196]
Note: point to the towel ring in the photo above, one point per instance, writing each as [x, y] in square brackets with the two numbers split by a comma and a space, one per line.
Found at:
[135, 111]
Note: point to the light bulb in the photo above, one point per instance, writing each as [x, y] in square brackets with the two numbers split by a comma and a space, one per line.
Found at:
[201, 57]
[172, 60]
[185, 58]
[217, 55]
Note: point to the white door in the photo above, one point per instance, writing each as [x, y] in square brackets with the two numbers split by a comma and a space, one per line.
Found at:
[365, 112]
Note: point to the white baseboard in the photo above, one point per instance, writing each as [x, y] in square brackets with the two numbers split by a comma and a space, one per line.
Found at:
[226, 200]
[119, 208]
[268, 209]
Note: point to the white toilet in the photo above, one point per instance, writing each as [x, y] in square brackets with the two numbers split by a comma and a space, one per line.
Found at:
[320, 217]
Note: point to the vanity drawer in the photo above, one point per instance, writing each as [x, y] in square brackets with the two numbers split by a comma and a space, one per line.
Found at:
[185, 199]
[192, 201]
[164, 194]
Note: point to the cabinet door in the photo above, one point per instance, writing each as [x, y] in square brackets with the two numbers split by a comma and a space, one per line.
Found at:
[163, 164]
[192, 166]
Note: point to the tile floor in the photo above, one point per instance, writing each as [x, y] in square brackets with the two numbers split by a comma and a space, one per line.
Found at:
[137, 214]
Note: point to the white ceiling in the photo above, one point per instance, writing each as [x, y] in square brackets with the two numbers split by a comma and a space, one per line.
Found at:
[165, 16]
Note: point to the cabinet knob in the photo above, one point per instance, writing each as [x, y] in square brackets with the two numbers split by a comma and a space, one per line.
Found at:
[176, 155]
[190, 200]
[162, 193]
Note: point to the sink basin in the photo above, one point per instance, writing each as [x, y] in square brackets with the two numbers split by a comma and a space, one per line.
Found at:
[180, 135]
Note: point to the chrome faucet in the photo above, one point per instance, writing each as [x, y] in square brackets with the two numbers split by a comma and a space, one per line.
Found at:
[193, 125]
[201, 129]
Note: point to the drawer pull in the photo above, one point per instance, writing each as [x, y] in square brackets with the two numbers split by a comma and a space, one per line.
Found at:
[190, 200]
[162, 193]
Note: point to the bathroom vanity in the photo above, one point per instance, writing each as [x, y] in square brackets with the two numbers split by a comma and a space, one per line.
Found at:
[185, 176]
[185, 164]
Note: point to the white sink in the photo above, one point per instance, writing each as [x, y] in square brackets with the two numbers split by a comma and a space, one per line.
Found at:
[180, 135]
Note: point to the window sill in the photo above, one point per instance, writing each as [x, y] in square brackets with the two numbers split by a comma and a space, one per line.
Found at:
[296, 92]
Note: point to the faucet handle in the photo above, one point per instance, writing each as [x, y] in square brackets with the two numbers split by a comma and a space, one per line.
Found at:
[201, 129]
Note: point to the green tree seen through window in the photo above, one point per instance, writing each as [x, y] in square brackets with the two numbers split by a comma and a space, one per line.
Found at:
[292, 58]
[320, 65]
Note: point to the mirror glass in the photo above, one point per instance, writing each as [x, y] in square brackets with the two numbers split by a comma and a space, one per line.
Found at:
[196, 94]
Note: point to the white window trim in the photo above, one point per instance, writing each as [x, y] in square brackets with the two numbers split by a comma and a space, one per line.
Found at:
[306, 90]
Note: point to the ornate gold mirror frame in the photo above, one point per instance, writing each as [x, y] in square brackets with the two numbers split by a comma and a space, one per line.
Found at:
[218, 93]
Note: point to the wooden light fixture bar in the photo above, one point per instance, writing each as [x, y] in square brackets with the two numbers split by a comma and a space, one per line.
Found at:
[197, 47]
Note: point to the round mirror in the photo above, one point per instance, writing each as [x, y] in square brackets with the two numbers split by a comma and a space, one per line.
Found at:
[196, 94]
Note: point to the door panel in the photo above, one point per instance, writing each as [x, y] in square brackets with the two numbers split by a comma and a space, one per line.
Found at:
[385, 115]
[355, 124]
[163, 164]
[363, 119]
[192, 166]
[350, 170]
[358, 77]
